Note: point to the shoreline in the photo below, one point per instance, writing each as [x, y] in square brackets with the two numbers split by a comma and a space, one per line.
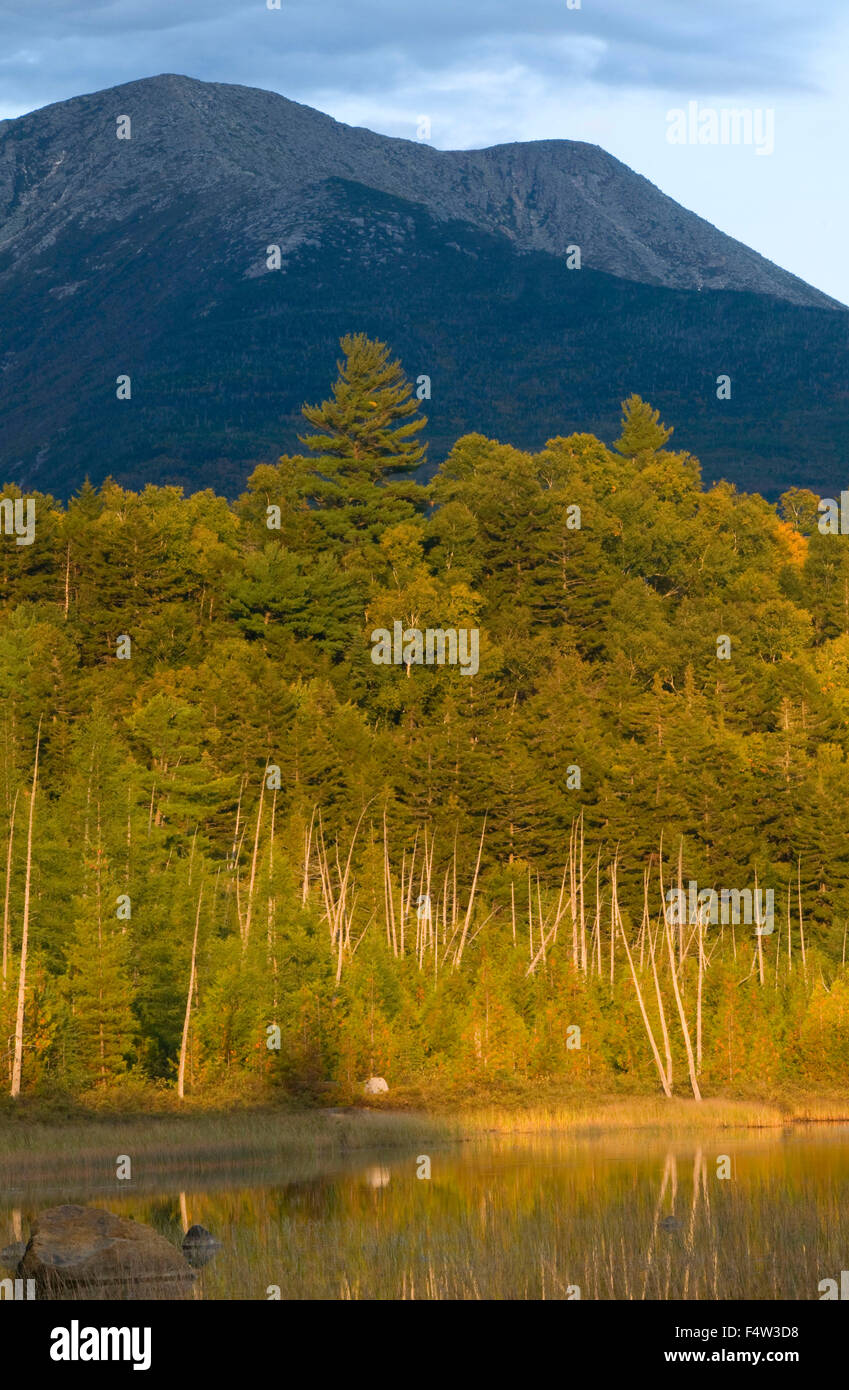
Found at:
[165, 1139]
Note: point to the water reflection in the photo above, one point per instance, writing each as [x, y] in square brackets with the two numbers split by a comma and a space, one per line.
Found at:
[378, 1177]
[734, 1215]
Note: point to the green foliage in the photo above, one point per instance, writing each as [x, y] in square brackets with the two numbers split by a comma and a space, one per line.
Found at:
[251, 754]
[369, 426]
[642, 432]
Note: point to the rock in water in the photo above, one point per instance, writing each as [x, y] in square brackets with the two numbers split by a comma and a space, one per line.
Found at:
[10, 1255]
[375, 1086]
[199, 1235]
[199, 1246]
[81, 1252]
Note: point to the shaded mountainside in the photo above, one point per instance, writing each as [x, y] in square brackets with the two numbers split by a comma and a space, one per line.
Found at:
[148, 257]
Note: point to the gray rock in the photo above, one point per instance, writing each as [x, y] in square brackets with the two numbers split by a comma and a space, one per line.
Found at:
[200, 1246]
[214, 171]
[250, 153]
[199, 1235]
[375, 1086]
[11, 1255]
[83, 1252]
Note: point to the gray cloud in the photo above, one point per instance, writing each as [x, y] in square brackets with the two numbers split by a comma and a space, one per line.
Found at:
[54, 49]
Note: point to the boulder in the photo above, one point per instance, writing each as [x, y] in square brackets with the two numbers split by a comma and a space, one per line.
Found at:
[376, 1086]
[79, 1252]
[10, 1255]
[199, 1246]
[199, 1235]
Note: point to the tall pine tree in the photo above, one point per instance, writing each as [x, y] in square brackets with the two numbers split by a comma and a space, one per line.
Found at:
[370, 426]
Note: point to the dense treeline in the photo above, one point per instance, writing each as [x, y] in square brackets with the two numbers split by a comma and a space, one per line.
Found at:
[245, 832]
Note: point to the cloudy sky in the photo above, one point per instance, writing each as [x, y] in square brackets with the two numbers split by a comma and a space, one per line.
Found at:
[488, 71]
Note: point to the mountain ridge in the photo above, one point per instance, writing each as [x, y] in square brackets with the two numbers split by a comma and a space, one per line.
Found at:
[147, 257]
[525, 190]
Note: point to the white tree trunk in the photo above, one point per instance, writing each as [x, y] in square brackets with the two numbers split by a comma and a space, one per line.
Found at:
[184, 1045]
[17, 1065]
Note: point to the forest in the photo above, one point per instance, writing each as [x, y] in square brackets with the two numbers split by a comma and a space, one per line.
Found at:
[240, 858]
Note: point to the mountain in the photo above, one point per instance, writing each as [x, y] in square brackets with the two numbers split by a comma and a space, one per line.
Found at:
[147, 257]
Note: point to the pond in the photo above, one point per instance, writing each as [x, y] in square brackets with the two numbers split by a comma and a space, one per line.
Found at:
[733, 1214]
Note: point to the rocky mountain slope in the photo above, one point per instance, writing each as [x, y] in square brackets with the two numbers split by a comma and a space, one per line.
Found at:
[147, 257]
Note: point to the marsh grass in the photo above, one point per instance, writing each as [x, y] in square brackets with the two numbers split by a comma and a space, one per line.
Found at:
[491, 1228]
[661, 1115]
[84, 1150]
[86, 1145]
[328, 1205]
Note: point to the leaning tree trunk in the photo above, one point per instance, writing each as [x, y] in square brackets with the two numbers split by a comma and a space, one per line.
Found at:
[184, 1044]
[691, 1061]
[22, 973]
[7, 892]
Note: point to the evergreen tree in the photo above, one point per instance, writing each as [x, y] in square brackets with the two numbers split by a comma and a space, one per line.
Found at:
[102, 1024]
[600, 581]
[370, 426]
[641, 431]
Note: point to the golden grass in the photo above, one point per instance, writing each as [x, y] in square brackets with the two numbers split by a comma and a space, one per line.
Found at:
[35, 1151]
[629, 1114]
[494, 1222]
[677, 1114]
[202, 1140]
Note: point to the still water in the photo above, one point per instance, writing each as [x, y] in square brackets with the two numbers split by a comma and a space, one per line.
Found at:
[536, 1217]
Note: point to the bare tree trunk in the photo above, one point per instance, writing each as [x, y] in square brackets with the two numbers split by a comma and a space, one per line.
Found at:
[541, 922]
[581, 891]
[271, 926]
[98, 894]
[645, 924]
[468, 917]
[402, 903]
[252, 881]
[667, 1046]
[128, 873]
[699, 995]
[552, 936]
[181, 1071]
[664, 1079]
[681, 1014]
[454, 888]
[573, 895]
[759, 933]
[405, 902]
[17, 1065]
[236, 840]
[67, 578]
[8, 887]
[680, 892]
[305, 889]
[612, 922]
[391, 934]
[801, 923]
[597, 923]
[343, 915]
